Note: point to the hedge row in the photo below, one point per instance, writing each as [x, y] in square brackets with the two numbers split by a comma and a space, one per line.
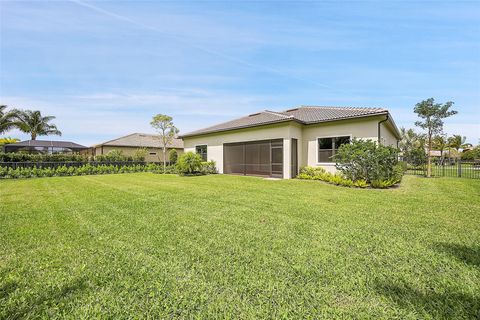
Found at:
[87, 169]
[313, 173]
[26, 157]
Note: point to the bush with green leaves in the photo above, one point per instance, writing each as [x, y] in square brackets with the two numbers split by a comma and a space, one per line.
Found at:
[87, 169]
[113, 156]
[318, 173]
[472, 154]
[368, 160]
[209, 167]
[140, 154]
[416, 157]
[173, 156]
[189, 163]
[28, 157]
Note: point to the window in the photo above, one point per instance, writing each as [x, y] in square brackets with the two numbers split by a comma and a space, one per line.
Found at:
[202, 151]
[153, 153]
[327, 147]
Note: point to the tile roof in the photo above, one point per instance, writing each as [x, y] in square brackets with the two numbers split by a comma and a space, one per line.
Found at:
[47, 143]
[141, 140]
[303, 114]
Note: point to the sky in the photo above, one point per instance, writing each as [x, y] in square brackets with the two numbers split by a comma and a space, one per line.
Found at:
[104, 68]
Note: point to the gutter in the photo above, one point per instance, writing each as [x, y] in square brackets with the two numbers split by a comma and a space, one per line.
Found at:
[379, 123]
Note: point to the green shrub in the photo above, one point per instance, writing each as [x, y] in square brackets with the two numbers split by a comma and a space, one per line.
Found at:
[86, 169]
[313, 173]
[382, 184]
[140, 154]
[115, 155]
[416, 157]
[360, 184]
[189, 164]
[173, 156]
[472, 154]
[27, 157]
[209, 167]
[367, 160]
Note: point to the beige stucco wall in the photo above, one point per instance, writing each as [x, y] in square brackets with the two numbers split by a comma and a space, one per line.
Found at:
[130, 151]
[215, 141]
[387, 135]
[307, 135]
[362, 128]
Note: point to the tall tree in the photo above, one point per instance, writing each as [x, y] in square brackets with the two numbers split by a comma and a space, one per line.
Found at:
[458, 142]
[432, 114]
[167, 130]
[33, 123]
[7, 119]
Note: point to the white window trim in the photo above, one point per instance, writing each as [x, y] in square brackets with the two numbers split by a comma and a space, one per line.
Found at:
[317, 147]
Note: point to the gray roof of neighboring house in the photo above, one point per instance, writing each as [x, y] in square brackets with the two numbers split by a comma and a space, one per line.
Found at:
[141, 140]
[303, 115]
[47, 143]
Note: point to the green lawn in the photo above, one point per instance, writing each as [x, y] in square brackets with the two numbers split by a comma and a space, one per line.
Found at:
[146, 245]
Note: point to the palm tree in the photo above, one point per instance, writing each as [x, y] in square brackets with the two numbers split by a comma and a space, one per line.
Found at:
[458, 142]
[410, 140]
[440, 143]
[7, 119]
[35, 124]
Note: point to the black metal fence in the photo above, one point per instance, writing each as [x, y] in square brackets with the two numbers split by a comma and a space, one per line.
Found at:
[460, 169]
[67, 164]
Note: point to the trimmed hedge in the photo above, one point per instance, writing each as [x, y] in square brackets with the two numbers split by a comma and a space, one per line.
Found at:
[27, 157]
[112, 156]
[317, 173]
[87, 169]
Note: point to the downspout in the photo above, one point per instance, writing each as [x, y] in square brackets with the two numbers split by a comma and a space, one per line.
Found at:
[379, 124]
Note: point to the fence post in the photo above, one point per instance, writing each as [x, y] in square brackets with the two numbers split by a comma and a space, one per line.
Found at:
[459, 168]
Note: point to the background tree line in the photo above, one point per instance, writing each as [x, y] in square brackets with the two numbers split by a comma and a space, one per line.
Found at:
[416, 148]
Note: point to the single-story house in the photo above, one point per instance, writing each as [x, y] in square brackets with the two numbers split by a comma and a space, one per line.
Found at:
[130, 143]
[44, 146]
[276, 144]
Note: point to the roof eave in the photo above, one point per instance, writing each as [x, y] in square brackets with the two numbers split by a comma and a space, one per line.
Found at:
[187, 135]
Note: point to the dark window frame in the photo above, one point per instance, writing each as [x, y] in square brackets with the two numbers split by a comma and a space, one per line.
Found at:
[204, 153]
[333, 148]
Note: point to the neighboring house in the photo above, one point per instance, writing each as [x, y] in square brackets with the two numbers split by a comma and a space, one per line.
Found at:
[276, 144]
[130, 143]
[44, 146]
